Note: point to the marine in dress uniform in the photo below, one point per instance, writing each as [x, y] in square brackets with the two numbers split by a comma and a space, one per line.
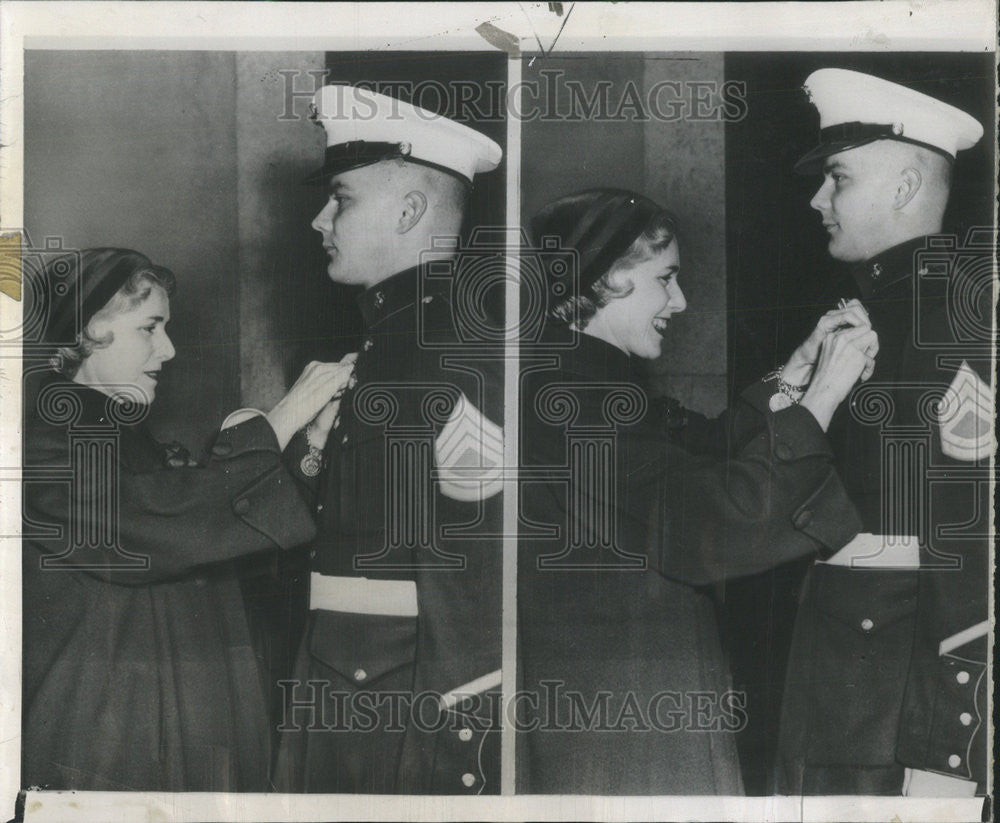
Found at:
[886, 683]
[397, 680]
[631, 509]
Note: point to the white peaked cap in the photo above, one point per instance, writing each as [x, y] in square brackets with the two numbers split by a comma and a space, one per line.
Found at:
[363, 127]
[856, 109]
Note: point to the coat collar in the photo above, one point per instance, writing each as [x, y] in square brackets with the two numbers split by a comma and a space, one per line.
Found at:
[889, 269]
[399, 292]
[590, 357]
[93, 408]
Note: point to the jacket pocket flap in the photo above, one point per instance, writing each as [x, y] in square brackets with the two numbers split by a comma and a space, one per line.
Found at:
[868, 600]
[363, 648]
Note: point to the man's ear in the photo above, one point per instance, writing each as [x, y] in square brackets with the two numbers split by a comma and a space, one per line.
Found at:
[907, 187]
[414, 207]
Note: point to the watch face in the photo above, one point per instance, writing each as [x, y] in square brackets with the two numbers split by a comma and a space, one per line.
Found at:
[310, 464]
[779, 401]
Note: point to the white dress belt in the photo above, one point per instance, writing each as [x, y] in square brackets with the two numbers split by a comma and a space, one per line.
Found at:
[359, 595]
[878, 551]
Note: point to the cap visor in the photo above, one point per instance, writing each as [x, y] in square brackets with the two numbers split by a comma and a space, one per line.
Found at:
[812, 161]
[317, 178]
[322, 175]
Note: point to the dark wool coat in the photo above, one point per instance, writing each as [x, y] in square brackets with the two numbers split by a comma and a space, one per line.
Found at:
[138, 670]
[629, 514]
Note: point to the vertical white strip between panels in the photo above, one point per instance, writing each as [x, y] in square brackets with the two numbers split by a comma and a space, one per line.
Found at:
[512, 311]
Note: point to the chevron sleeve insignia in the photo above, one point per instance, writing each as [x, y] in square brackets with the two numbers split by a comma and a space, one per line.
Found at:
[469, 454]
[965, 417]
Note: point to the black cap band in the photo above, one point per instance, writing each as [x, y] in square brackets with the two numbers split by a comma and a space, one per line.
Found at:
[360, 153]
[845, 136]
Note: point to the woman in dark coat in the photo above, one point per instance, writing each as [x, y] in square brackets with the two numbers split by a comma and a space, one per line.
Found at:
[632, 508]
[138, 669]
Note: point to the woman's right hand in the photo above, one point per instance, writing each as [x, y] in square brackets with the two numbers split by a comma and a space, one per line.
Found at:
[799, 367]
[845, 356]
[319, 385]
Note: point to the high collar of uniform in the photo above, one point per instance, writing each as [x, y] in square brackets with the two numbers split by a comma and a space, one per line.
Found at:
[395, 293]
[890, 268]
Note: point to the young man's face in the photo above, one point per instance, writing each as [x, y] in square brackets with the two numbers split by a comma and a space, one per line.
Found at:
[857, 200]
[357, 226]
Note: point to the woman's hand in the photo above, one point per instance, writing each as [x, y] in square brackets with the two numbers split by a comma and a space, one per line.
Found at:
[845, 356]
[799, 368]
[319, 428]
[318, 387]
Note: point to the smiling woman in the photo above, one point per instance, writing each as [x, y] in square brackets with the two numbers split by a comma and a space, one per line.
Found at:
[125, 343]
[637, 507]
[138, 668]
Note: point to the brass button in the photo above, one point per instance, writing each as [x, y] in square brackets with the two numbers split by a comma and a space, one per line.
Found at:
[465, 735]
[954, 761]
[360, 675]
[965, 718]
[469, 779]
[867, 624]
[962, 677]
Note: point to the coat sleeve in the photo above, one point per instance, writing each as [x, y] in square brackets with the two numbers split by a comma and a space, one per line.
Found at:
[168, 521]
[777, 498]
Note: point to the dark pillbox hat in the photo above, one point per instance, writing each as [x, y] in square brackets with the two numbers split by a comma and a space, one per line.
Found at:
[81, 284]
[594, 228]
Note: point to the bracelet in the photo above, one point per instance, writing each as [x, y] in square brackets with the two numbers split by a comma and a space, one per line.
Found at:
[313, 461]
[308, 432]
[783, 385]
[787, 394]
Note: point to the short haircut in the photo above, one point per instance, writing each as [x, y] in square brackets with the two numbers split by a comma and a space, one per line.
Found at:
[135, 290]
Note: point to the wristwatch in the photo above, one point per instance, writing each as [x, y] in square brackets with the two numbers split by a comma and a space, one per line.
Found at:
[786, 395]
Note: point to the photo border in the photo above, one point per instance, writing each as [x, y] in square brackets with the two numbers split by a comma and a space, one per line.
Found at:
[958, 26]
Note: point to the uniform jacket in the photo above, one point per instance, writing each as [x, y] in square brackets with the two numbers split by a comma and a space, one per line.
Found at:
[138, 671]
[628, 515]
[870, 689]
[391, 505]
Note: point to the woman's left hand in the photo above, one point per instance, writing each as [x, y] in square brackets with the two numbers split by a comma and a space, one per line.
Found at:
[317, 386]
